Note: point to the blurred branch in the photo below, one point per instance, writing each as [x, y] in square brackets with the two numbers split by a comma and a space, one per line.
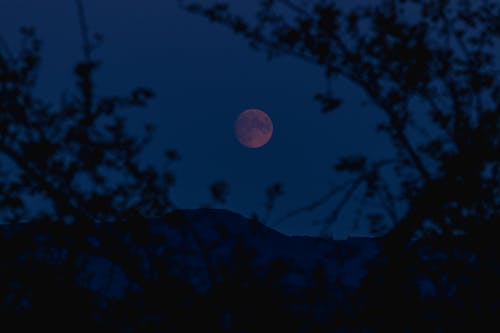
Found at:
[315, 204]
[273, 192]
[60, 197]
[343, 201]
[4, 47]
[293, 6]
[219, 191]
[84, 30]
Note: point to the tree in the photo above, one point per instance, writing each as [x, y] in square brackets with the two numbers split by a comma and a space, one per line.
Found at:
[431, 68]
[78, 156]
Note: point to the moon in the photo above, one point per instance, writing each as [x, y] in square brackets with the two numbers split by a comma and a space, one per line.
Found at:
[253, 128]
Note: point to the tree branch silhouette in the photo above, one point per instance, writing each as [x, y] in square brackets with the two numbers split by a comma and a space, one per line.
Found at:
[443, 58]
[68, 155]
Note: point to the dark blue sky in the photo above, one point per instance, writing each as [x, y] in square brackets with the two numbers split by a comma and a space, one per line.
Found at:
[204, 76]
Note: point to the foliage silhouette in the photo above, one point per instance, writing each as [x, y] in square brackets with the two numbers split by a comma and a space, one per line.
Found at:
[431, 68]
[79, 156]
[435, 68]
[50, 278]
[81, 159]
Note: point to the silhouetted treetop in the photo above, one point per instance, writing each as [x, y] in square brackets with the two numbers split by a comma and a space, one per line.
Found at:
[78, 156]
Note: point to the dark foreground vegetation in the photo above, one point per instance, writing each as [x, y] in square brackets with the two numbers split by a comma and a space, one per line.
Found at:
[93, 258]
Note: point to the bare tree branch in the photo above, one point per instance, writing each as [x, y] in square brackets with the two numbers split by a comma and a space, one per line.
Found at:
[84, 31]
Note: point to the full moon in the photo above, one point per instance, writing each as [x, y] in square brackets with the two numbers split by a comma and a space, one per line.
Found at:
[253, 128]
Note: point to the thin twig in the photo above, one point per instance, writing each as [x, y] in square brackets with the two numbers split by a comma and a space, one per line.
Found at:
[296, 8]
[84, 30]
[345, 198]
[315, 204]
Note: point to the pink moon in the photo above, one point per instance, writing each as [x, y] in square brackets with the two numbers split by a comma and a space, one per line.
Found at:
[253, 128]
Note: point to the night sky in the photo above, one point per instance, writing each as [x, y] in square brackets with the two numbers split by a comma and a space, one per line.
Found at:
[204, 76]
